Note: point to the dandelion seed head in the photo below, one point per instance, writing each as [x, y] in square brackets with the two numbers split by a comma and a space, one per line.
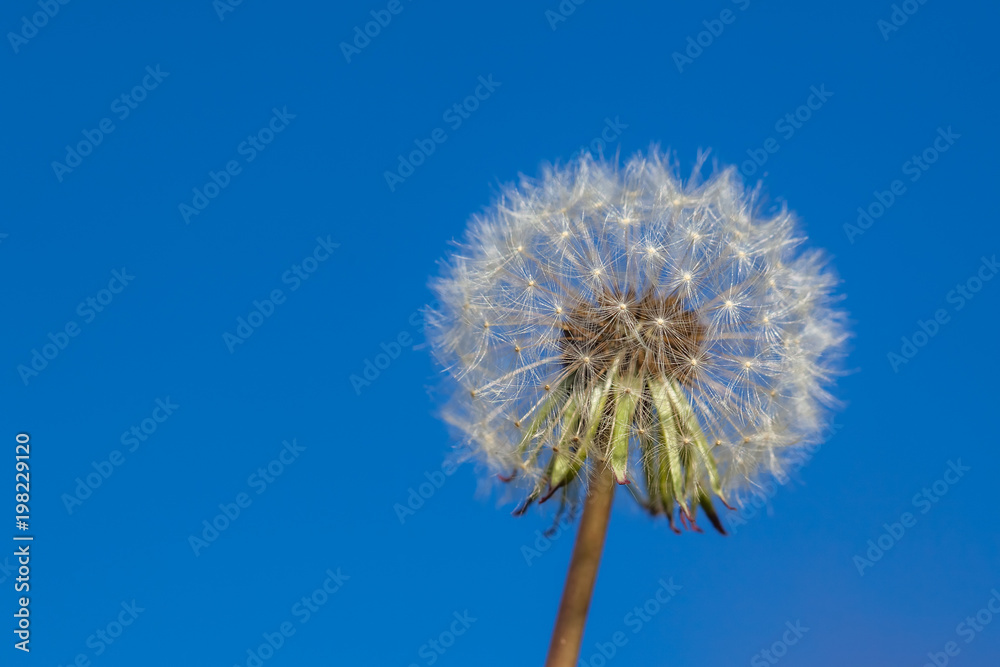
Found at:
[606, 315]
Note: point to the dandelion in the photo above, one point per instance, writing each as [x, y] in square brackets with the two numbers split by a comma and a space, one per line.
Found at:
[606, 324]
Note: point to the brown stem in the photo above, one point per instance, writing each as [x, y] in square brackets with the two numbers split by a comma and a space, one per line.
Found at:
[568, 632]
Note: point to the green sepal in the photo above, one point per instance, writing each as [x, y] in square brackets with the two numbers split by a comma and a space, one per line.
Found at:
[539, 488]
[690, 428]
[548, 405]
[651, 469]
[598, 399]
[673, 481]
[706, 504]
[621, 427]
[565, 462]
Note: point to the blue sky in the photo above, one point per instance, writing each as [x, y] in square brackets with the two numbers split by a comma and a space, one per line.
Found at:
[201, 246]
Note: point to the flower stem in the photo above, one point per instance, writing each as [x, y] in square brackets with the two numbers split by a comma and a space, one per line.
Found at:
[568, 632]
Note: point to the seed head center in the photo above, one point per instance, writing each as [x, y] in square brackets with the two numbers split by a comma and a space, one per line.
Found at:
[660, 336]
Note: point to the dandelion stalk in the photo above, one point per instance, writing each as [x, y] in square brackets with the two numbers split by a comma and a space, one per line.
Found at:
[568, 632]
[608, 324]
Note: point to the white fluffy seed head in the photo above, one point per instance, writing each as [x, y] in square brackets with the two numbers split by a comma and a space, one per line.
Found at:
[675, 330]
